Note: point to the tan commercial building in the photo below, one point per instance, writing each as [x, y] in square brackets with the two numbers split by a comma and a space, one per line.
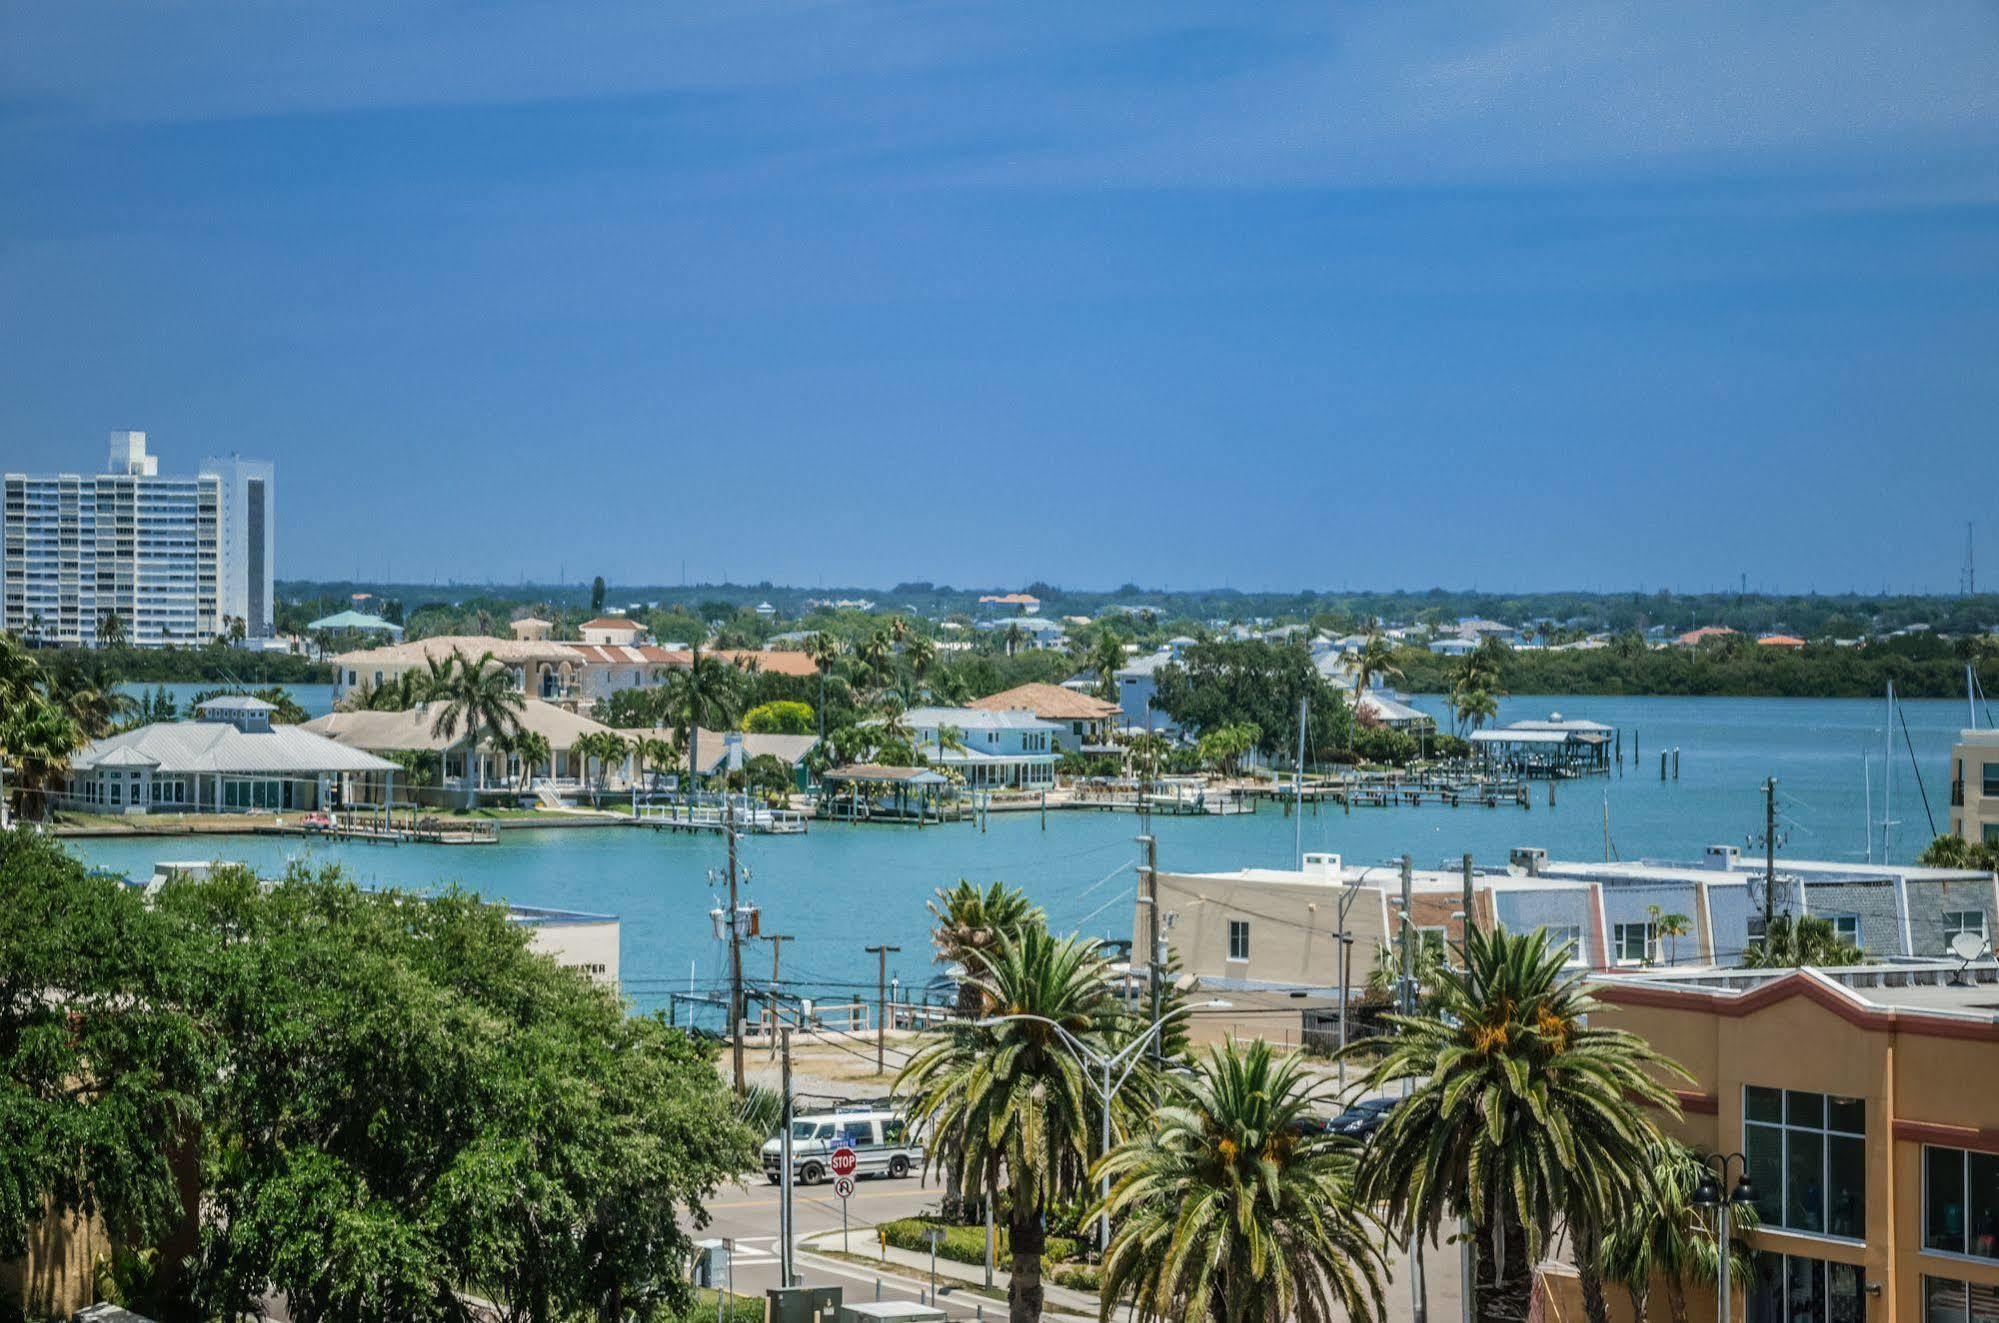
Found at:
[1974, 787]
[1865, 1101]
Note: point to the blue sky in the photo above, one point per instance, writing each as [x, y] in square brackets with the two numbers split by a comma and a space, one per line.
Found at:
[1505, 295]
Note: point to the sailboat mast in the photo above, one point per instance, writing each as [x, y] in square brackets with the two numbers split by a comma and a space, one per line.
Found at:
[1888, 775]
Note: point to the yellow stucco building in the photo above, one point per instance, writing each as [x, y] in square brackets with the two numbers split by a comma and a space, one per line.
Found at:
[1866, 1104]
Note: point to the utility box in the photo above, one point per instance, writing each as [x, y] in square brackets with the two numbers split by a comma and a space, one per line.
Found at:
[901, 1311]
[802, 1304]
[711, 1263]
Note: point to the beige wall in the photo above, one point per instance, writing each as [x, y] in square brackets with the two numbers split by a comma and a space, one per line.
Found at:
[1922, 1078]
[1293, 928]
[1967, 767]
[591, 947]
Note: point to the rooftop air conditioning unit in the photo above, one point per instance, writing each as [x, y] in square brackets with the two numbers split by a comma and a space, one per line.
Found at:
[1722, 857]
[1528, 858]
[1320, 862]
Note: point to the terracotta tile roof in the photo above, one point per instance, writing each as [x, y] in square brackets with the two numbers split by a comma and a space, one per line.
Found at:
[1050, 702]
[615, 622]
[1780, 641]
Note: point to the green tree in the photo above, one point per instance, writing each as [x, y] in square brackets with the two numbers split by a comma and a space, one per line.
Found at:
[968, 921]
[597, 596]
[532, 748]
[1521, 1115]
[1374, 661]
[824, 649]
[101, 1061]
[1659, 1236]
[1794, 942]
[1956, 852]
[1229, 1207]
[1106, 656]
[478, 696]
[779, 718]
[1007, 1104]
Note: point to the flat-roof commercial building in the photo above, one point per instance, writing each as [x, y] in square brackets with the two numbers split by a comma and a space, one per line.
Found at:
[1866, 1103]
[169, 559]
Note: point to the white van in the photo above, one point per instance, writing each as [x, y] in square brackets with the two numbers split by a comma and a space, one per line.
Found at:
[881, 1141]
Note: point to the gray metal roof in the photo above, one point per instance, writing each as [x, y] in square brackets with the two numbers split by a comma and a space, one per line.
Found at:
[209, 747]
[235, 703]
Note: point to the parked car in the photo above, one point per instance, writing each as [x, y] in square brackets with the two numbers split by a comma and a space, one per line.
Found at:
[881, 1140]
[1363, 1118]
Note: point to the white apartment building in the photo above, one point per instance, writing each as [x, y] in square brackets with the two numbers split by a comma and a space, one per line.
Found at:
[175, 559]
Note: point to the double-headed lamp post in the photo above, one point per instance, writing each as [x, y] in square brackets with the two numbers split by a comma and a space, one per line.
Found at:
[1123, 1063]
[1708, 1194]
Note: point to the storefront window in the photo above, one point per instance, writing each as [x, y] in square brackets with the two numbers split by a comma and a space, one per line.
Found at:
[1961, 1202]
[1946, 1300]
[1807, 1160]
[1793, 1289]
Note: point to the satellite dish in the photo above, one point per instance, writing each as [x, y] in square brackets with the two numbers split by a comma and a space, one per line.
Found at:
[1968, 946]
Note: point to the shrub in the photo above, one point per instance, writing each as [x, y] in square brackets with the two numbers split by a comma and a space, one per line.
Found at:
[965, 1244]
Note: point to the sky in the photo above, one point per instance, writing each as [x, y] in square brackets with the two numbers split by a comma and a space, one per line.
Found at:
[1489, 295]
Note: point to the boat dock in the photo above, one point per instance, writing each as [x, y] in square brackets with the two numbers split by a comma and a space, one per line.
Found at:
[381, 830]
[703, 816]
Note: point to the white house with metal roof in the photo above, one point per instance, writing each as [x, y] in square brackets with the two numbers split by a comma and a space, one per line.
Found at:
[231, 759]
[1009, 749]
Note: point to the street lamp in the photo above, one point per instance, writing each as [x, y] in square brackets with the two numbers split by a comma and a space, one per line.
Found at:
[1088, 1057]
[1714, 1175]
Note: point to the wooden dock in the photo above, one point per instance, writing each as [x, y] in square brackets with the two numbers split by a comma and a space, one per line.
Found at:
[756, 820]
[379, 831]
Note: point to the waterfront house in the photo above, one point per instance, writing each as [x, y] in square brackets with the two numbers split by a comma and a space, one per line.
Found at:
[355, 623]
[1138, 689]
[1558, 746]
[992, 750]
[1082, 721]
[230, 759]
[492, 775]
[1974, 786]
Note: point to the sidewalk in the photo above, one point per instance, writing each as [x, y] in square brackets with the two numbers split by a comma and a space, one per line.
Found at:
[1061, 1301]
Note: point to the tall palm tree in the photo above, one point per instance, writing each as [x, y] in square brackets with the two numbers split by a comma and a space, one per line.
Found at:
[653, 751]
[1007, 1102]
[1520, 1114]
[1013, 636]
[479, 696]
[37, 737]
[1660, 1237]
[921, 652]
[1374, 661]
[1228, 1207]
[824, 650]
[876, 652]
[532, 748]
[1107, 657]
[970, 921]
[1474, 707]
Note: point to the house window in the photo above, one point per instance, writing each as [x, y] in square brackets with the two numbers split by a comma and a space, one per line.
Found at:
[1989, 776]
[1789, 1288]
[1569, 935]
[1808, 1160]
[1631, 943]
[1946, 1300]
[1962, 921]
[1846, 927]
[1961, 1202]
[1238, 939]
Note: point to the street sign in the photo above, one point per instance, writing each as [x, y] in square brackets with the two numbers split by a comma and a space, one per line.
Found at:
[844, 1187]
[844, 1162]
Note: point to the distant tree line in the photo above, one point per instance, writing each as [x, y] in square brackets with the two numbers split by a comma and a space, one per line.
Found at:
[208, 664]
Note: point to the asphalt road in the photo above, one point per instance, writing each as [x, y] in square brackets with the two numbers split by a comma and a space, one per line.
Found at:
[747, 1215]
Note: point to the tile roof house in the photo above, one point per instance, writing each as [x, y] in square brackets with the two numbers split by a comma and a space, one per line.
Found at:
[1081, 720]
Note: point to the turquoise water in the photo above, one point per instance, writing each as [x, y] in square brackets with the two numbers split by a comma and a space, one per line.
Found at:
[316, 699]
[839, 889]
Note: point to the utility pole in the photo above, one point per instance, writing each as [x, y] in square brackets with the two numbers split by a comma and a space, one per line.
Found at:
[777, 941]
[1155, 977]
[784, 1214]
[735, 951]
[1298, 785]
[881, 1007]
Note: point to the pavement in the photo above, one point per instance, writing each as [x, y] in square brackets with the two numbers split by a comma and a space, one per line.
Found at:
[747, 1213]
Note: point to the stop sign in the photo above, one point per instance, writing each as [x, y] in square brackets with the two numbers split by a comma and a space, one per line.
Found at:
[844, 1161]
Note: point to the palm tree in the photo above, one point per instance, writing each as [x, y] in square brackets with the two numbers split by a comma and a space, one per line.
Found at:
[1672, 927]
[1792, 943]
[921, 653]
[706, 694]
[1229, 1207]
[1661, 1237]
[1375, 660]
[1107, 657]
[478, 696]
[875, 653]
[970, 921]
[1007, 1101]
[824, 650]
[650, 749]
[37, 737]
[532, 748]
[1474, 707]
[1013, 636]
[1520, 1113]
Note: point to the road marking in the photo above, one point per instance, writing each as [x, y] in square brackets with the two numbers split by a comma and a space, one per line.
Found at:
[804, 1193]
